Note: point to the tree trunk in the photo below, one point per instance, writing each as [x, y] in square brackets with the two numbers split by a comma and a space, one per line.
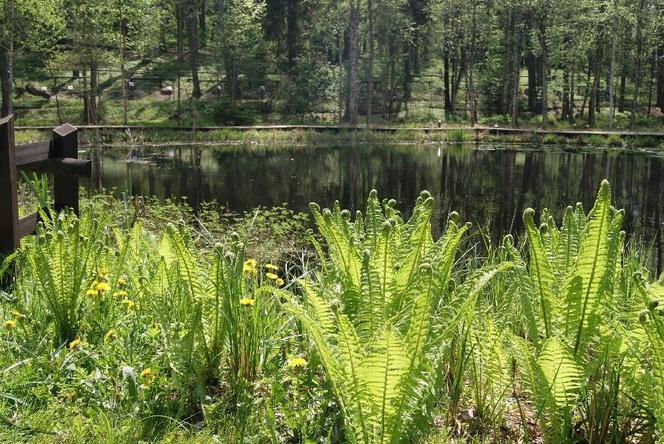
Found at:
[545, 72]
[446, 85]
[592, 105]
[353, 25]
[179, 18]
[125, 92]
[623, 89]
[660, 79]
[565, 111]
[531, 65]
[371, 62]
[291, 33]
[94, 92]
[612, 69]
[516, 69]
[202, 25]
[6, 72]
[193, 49]
[637, 71]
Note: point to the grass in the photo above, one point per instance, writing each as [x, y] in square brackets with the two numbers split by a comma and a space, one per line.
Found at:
[145, 321]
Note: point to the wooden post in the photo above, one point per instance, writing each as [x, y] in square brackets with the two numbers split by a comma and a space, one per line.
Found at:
[9, 237]
[65, 187]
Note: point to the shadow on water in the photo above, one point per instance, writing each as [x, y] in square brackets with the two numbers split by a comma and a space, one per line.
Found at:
[488, 186]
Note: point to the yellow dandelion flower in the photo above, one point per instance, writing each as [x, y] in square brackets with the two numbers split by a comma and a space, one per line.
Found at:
[121, 282]
[9, 324]
[92, 293]
[247, 302]
[147, 373]
[76, 343]
[296, 362]
[102, 287]
[120, 294]
[249, 266]
[279, 282]
[129, 304]
[271, 267]
[272, 276]
[109, 335]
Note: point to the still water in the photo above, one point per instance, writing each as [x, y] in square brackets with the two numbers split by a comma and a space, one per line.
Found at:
[488, 185]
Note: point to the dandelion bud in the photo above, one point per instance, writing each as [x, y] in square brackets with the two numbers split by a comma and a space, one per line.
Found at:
[235, 237]
[334, 305]
[229, 256]
[653, 304]
[643, 317]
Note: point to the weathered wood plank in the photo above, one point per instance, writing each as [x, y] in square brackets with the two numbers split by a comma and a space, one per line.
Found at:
[9, 236]
[27, 224]
[32, 152]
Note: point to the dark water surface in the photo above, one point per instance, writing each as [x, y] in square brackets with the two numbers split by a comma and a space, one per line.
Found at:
[488, 185]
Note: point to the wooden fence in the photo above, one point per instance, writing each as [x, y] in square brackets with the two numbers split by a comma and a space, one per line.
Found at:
[58, 157]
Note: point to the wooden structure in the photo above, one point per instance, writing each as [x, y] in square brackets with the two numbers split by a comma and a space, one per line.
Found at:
[58, 157]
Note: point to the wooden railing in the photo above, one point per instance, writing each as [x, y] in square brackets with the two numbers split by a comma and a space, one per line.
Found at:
[58, 157]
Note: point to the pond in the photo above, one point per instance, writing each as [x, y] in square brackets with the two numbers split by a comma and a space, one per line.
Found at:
[489, 185]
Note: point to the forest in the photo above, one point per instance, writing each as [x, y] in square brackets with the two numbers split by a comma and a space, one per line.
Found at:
[500, 62]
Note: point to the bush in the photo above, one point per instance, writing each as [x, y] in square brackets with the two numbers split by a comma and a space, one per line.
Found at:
[614, 140]
[225, 113]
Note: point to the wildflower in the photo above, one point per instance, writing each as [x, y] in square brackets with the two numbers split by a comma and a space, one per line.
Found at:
[271, 267]
[129, 304]
[109, 335]
[279, 282]
[121, 282]
[76, 343]
[296, 362]
[92, 293]
[147, 373]
[17, 314]
[120, 294]
[272, 276]
[70, 396]
[102, 287]
[249, 266]
[246, 302]
[9, 324]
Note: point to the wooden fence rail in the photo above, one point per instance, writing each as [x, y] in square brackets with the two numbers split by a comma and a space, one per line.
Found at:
[58, 157]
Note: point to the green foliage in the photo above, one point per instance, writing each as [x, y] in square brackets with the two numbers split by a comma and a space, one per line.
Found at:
[141, 330]
[370, 316]
[225, 112]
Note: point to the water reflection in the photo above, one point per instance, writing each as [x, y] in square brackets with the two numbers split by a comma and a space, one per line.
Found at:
[488, 186]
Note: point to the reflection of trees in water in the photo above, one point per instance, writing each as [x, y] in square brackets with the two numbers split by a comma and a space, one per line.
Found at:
[489, 188]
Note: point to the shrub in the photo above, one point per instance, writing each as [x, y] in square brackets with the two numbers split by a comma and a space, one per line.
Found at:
[225, 113]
